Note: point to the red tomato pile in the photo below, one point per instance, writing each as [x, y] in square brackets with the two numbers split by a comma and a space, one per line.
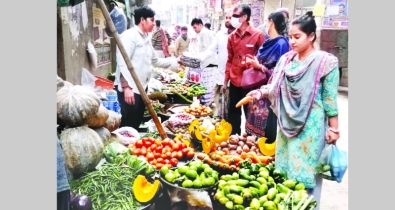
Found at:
[162, 152]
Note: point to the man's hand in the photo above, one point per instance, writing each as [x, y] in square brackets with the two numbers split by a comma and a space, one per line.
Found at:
[129, 95]
[224, 88]
[179, 60]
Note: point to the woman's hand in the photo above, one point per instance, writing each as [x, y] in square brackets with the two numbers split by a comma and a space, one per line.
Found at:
[252, 62]
[331, 137]
[255, 94]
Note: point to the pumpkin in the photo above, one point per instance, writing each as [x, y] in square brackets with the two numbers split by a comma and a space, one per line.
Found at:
[266, 149]
[196, 131]
[77, 104]
[208, 143]
[100, 118]
[83, 149]
[67, 84]
[104, 134]
[113, 121]
[61, 83]
[143, 190]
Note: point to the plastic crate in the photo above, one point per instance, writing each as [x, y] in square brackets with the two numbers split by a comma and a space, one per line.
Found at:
[104, 83]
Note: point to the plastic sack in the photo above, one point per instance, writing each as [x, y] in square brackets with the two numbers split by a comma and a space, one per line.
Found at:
[155, 84]
[127, 135]
[92, 56]
[333, 163]
[152, 126]
[118, 17]
[208, 125]
[87, 78]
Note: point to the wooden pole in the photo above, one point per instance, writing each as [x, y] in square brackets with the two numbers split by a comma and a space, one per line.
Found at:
[131, 69]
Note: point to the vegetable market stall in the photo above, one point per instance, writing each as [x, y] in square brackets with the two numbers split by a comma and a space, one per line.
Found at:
[201, 166]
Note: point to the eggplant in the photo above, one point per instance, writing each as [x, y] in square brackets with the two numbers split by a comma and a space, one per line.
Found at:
[72, 196]
[81, 202]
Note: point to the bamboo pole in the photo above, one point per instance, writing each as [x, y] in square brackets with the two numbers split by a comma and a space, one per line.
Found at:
[131, 69]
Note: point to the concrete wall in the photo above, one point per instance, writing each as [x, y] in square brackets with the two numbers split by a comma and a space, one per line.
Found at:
[74, 31]
[272, 5]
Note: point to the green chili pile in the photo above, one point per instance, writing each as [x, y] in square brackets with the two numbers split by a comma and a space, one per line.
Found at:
[108, 188]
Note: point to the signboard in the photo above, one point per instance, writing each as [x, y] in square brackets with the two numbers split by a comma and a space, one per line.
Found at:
[101, 41]
[336, 15]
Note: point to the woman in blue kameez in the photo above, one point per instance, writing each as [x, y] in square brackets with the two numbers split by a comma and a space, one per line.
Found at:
[303, 95]
[260, 119]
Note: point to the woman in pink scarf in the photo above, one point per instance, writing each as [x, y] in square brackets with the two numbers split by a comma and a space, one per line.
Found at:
[177, 32]
[161, 41]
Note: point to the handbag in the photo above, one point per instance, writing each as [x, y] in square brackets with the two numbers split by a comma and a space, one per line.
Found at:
[253, 78]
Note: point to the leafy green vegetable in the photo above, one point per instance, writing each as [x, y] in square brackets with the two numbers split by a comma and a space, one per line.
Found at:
[112, 151]
[153, 134]
[157, 107]
[247, 163]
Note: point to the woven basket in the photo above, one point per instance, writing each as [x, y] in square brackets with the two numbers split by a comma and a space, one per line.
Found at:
[190, 61]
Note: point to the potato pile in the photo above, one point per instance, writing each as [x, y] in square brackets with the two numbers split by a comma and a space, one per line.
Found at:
[200, 110]
[181, 129]
[238, 144]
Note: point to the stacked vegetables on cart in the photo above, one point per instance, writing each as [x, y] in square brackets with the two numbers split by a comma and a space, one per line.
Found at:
[261, 186]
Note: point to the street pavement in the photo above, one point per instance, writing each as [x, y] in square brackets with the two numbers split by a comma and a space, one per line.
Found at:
[334, 196]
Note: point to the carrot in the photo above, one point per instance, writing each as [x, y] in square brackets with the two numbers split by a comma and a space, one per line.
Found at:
[233, 168]
[265, 159]
[220, 159]
[244, 101]
[243, 155]
[254, 157]
[223, 166]
[234, 157]
[201, 156]
[219, 152]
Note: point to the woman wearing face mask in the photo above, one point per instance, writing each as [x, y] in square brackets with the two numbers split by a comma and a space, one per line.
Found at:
[260, 120]
[303, 94]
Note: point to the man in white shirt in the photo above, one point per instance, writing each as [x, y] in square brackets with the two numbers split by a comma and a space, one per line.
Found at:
[208, 65]
[139, 48]
[219, 47]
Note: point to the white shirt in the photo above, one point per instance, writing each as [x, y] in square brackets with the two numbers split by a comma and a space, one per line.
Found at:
[204, 39]
[142, 55]
[219, 48]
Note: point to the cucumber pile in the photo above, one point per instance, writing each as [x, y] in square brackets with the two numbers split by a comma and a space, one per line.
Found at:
[262, 187]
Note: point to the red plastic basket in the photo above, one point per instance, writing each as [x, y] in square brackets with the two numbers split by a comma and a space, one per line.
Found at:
[104, 83]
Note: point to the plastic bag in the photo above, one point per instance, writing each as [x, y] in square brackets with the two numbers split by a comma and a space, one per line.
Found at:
[92, 56]
[155, 84]
[127, 135]
[152, 126]
[118, 17]
[87, 78]
[333, 163]
[208, 125]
